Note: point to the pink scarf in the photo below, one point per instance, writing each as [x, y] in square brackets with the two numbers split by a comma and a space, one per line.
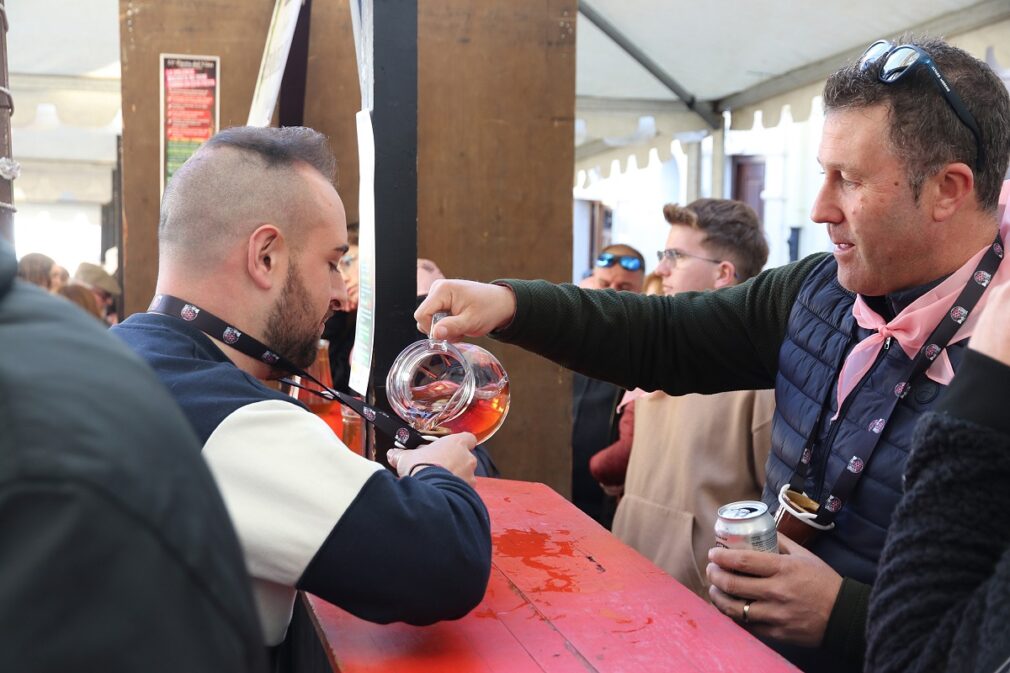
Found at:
[912, 326]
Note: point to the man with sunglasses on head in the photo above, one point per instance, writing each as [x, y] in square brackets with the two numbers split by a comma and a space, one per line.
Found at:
[250, 239]
[858, 344]
[619, 267]
[595, 418]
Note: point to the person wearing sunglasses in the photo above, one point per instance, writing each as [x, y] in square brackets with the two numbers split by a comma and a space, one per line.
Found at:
[858, 343]
[596, 421]
[619, 267]
[251, 236]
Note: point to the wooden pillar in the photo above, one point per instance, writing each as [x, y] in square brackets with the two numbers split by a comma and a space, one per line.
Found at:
[496, 102]
[333, 95]
[235, 31]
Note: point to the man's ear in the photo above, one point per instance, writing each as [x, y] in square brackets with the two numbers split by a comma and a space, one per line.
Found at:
[950, 190]
[266, 256]
[725, 274]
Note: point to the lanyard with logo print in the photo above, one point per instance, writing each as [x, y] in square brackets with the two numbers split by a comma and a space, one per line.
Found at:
[212, 326]
[865, 441]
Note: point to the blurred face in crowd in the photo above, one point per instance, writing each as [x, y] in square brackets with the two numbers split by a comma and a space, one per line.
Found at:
[879, 232]
[692, 271]
[314, 286]
[349, 272]
[427, 273]
[58, 277]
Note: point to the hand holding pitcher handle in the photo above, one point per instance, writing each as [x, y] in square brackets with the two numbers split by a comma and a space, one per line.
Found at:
[474, 309]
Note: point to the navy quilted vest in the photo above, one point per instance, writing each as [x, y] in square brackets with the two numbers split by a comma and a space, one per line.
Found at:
[820, 333]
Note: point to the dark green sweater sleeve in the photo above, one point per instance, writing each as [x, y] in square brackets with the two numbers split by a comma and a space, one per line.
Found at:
[694, 342]
[845, 634]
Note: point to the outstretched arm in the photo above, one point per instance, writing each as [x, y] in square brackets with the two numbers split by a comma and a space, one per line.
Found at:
[703, 342]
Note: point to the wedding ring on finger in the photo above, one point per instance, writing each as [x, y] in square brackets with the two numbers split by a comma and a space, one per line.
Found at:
[746, 611]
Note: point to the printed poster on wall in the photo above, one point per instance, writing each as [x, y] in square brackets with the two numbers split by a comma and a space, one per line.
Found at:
[190, 107]
[361, 355]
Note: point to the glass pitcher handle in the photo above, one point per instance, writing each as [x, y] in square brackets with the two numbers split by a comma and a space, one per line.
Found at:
[441, 344]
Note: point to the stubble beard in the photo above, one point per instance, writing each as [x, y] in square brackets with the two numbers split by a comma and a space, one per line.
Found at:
[285, 332]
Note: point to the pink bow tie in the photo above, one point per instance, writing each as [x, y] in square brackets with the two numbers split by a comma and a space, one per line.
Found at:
[916, 322]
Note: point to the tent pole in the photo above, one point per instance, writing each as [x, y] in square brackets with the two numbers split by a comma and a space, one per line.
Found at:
[703, 110]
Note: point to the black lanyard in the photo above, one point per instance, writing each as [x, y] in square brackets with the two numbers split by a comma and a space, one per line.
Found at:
[213, 326]
[865, 442]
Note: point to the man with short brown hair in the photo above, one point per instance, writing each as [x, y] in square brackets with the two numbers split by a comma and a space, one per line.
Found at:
[693, 453]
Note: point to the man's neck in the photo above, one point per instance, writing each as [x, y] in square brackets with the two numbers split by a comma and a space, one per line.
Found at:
[225, 310]
[890, 305]
[249, 365]
[955, 256]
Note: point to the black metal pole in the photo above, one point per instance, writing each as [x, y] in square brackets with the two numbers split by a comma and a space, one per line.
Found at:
[291, 107]
[394, 122]
[8, 167]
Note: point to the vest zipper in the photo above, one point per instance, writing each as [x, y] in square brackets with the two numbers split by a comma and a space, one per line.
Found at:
[833, 429]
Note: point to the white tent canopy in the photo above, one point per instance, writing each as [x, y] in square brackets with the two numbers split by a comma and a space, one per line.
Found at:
[735, 55]
[64, 75]
[739, 56]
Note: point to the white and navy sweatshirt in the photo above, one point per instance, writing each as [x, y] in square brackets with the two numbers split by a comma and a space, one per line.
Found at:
[311, 514]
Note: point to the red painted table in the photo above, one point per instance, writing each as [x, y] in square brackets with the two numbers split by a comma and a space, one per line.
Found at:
[564, 595]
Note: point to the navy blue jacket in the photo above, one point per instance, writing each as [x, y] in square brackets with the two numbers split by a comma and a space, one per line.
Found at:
[789, 328]
[820, 334]
[311, 514]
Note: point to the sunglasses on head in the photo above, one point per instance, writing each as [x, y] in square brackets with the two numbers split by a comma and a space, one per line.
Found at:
[629, 262]
[899, 60]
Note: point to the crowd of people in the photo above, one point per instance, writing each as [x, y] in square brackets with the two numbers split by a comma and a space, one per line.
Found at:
[868, 380]
[92, 288]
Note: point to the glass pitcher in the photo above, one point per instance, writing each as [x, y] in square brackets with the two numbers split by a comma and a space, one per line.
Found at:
[441, 388]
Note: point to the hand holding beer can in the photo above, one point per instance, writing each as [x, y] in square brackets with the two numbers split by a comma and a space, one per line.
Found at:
[746, 525]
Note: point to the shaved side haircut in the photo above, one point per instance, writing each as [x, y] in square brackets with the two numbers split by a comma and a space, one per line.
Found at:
[240, 179]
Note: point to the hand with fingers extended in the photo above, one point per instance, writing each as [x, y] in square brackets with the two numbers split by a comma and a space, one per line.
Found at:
[453, 452]
[786, 597]
[474, 308]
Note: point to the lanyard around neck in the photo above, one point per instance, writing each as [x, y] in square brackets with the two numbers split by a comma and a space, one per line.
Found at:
[212, 326]
[865, 441]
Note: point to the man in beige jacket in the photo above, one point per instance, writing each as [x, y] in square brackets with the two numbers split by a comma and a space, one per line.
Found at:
[694, 453]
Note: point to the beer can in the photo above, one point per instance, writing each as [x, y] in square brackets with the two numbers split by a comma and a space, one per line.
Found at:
[746, 525]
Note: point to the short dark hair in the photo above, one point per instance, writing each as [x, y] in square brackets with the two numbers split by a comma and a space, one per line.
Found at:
[239, 176]
[732, 231]
[281, 146]
[925, 132]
